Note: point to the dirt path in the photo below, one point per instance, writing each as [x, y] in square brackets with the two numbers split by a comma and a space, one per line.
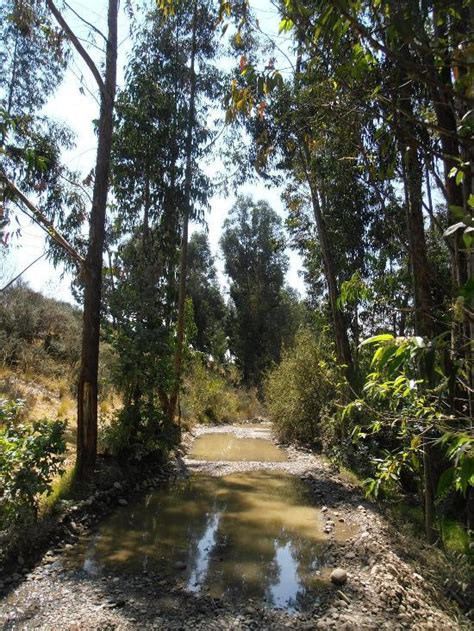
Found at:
[385, 588]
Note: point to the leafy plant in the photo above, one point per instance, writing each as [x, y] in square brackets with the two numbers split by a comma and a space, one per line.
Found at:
[408, 392]
[302, 392]
[30, 456]
[210, 396]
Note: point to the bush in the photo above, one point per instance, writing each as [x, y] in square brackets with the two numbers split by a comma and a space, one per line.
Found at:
[303, 390]
[138, 432]
[30, 456]
[212, 396]
[36, 331]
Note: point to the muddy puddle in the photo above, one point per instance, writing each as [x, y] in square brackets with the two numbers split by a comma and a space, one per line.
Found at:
[249, 535]
[232, 448]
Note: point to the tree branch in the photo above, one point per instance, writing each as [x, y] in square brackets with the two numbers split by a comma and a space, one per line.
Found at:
[10, 283]
[43, 221]
[78, 46]
[94, 28]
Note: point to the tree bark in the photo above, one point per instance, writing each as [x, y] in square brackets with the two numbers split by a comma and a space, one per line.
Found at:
[88, 379]
[413, 178]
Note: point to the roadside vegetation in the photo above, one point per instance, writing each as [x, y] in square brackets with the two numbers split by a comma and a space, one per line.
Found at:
[363, 120]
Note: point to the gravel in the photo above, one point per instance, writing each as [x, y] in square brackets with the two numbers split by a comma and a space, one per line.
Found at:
[375, 585]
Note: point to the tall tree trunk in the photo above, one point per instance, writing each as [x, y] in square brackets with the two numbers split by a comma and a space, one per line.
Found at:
[88, 379]
[412, 169]
[178, 358]
[413, 180]
[455, 150]
[343, 349]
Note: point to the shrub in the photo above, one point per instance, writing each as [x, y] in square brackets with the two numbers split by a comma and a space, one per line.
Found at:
[36, 331]
[303, 390]
[137, 432]
[30, 456]
[211, 395]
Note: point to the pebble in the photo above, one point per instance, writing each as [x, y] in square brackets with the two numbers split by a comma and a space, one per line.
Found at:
[123, 502]
[60, 600]
[339, 576]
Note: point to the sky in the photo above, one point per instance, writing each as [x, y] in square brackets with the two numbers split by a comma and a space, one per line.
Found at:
[75, 104]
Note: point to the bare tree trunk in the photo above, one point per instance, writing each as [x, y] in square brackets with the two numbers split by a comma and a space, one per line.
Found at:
[455, 150]
[88, 379]
[412, 171]
[178, 358]
[343, 349]
[413, 178]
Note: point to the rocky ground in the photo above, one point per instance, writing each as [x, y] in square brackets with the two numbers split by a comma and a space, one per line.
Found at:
[381, 584]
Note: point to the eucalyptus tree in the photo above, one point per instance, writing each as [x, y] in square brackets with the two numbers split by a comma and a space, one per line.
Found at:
[253, 243]
[210, 311]
[31, 151]
[91, 273]
[162, 130]
[33, 179]
[410, 62]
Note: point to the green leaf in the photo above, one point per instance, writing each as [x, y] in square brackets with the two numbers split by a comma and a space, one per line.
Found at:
[470, 200]
[457, 212]
[466, 474]
[446, 481]
[467, 237]
[285, 25]
[383, 337]
[467, 290]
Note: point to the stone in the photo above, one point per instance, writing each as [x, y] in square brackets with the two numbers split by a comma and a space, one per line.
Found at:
[339, 576]
[117, 486]
[180, 565]
[122, 502]
[20, 560]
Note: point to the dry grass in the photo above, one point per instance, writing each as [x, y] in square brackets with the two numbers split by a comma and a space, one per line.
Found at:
[49, 398]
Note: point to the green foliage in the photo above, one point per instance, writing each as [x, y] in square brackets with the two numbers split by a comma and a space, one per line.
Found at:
[408, 395]
[30, 456]
[210, 311]
[303, 391]
[211, 395]
[33, 55]
[138, 432]
[455, 537]
[253, 244]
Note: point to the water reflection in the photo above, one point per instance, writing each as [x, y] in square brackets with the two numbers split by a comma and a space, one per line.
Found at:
[204, 546]
[251, 535]
[231, 448]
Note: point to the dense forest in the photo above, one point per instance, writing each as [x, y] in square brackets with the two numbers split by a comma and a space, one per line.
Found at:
[360, 114]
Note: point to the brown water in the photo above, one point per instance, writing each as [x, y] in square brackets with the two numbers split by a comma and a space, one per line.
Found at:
[256, 534]
[227, 446]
